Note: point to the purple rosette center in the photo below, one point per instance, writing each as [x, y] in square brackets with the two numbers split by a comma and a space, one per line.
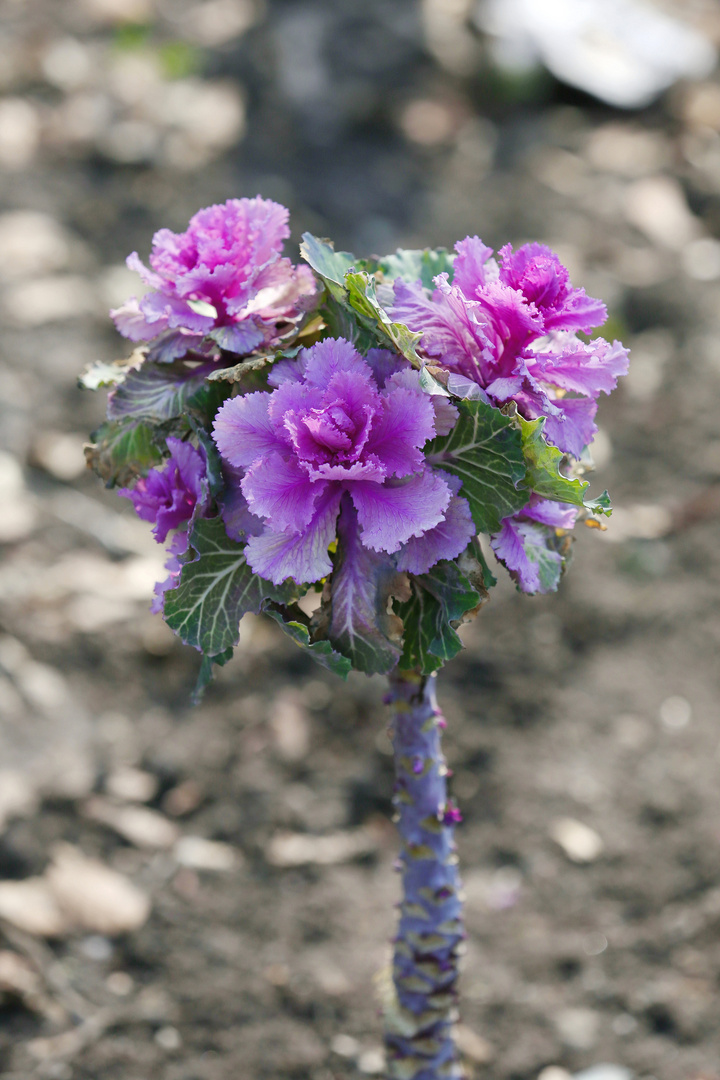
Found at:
[340, 423]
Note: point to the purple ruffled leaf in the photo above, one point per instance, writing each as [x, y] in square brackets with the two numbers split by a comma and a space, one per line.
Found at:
[446, 541]
[401, 430]
[354, 615]
[573, 428]
[280, 491]
[302, 556]
[168, 497]
[243, 430]
[523, 547]
[390, 515]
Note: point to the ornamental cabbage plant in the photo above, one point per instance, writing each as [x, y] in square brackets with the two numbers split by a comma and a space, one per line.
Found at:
[342, 433]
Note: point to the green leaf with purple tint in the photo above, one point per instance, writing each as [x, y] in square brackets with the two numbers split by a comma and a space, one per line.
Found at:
[164, 391]
[216, 589]
[354, 615]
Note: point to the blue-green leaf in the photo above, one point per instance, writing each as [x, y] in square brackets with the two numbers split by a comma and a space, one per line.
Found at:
[362, 297]
[484, 450]
[122, 450]
[330, 264]
[441, 598]
[206, 672]
[419, 265]
[321, 651]
[216, 589]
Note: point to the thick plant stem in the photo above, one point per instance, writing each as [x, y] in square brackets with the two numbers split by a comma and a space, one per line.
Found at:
[421, 1006]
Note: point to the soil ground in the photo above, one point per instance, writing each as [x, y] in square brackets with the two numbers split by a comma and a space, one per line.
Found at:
[596, 706]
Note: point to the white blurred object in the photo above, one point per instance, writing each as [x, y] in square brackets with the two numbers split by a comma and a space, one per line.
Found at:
[621, 51]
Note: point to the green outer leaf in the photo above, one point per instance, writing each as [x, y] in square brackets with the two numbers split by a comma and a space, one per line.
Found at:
[343, 322]
[122, 450]
[543, 474]
[441, 597]
[351, 284]
[215, 478]
[216, 589]
[414, 265]
[330, 264]
[432, 386]
[362, 297]
[484, 450]
[321, 651]
[206, 672]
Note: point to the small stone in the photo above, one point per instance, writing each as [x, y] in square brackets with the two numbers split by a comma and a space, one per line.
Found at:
[701, 259]
[472, 1045]
[67, 63]
[624, 1024]
[141, 826]
[215, 22]
[168, 1038]
[183, 799]
[701, 105]
[657, 207]
[19, 133]
[299, 849]
[639, 522]
[580, 843]
[345, 1046]
[290, 728]
[19, 519]
[31, 906]
[49, 299]
[17, 976]
[675, 713]
[119, 11]
[43, 686]
[428, 122]
[277, 974]
[120, 983]
[96, 947]
[627, 151]
[131, 785]
[18, 798]
[605, 1072]
[371, 1062]
[92, 896]
[197, 853]
[32, 243]
[554, 1072]
[594, 944]
[578, 1028]
[60, 454]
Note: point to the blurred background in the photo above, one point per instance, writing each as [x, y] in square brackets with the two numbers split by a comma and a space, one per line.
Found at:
[206, 894]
